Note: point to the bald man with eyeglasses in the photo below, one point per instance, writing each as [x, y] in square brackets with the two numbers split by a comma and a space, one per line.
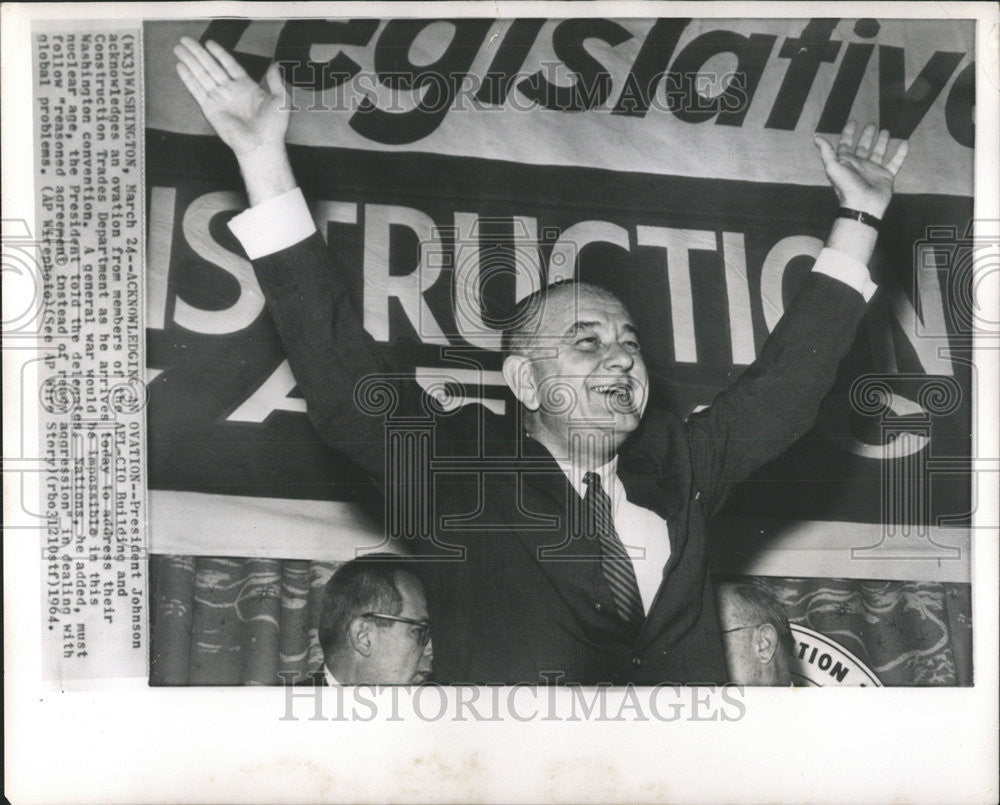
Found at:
[374, 627]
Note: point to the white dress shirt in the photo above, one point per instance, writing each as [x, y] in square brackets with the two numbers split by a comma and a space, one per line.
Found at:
[642, 531]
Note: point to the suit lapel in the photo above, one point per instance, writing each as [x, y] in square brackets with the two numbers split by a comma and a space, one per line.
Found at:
[547, 497]
[662, 488]
[547, 503]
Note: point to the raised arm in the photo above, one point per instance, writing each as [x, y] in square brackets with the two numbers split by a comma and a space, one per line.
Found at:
[862, 176]
[327, 347]
[776, 399]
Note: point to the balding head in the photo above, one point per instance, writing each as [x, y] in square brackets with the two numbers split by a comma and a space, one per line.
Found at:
[528, 328]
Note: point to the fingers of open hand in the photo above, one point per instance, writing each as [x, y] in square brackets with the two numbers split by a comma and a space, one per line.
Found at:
[274, 81]
[878, 151]
[191, 82]
[870, 149]
[876, 162]
[864, 146]
[228, 63]
[846, 142]
[201, 64]
[896, 160]
[208, 61]
[828, 155]
[193, 69]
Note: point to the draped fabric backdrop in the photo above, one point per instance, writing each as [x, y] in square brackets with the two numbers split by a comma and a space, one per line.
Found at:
[453, 165]
[227, 621]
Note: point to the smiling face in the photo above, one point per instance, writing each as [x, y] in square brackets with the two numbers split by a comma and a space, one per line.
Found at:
[583, 372]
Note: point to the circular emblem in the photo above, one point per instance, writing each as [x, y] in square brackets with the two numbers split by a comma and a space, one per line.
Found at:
[819, 661]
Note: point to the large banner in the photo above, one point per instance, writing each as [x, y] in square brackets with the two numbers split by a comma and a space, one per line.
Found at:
[455, 165]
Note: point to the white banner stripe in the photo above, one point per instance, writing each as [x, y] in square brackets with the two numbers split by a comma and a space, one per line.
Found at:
[659, 141]
[191, 523]
[818, 549]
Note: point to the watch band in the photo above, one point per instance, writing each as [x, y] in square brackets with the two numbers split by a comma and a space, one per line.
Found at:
[858, 215]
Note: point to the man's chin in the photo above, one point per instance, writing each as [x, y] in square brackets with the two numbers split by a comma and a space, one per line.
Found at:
[624, 416]
[627, 421]
[618, 423]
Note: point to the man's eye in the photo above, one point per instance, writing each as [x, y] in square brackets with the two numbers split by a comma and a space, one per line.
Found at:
[632, 344]
[587, 342]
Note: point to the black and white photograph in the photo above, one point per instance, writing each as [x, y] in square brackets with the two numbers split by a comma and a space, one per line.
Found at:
[524, 385]
[359, 225]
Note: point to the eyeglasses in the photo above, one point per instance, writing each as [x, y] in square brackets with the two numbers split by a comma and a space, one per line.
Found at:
[423, 636]
[740, 628]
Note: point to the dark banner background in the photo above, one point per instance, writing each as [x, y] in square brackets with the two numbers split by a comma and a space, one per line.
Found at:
[206, 377]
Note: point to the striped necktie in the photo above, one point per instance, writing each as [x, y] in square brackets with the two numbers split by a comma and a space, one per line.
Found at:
[615, 560]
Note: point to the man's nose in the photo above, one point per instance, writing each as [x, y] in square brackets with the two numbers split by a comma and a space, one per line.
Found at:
[427, 658]
[618, 357]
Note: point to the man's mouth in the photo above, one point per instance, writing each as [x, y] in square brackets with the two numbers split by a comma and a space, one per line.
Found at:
[619, 392]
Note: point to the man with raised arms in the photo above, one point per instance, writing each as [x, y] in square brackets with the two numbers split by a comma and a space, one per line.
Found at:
[568, 541]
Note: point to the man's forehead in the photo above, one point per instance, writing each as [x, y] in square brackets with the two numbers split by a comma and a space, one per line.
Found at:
[567, 305]
[731, 608]
[414, 600]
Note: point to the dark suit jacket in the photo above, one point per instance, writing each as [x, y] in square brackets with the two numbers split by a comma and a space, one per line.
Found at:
[515, 598]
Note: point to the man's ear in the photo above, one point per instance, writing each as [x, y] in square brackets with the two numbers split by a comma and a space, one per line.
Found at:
[765, 642]
[520, 379]
[360, 635]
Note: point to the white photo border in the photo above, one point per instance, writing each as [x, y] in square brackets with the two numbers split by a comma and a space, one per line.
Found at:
[131, 743]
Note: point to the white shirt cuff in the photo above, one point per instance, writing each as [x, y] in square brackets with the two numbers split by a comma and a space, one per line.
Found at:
[847, 269]
[273, 225]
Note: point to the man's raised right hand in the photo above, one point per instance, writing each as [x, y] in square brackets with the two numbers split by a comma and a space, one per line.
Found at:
[249, 117]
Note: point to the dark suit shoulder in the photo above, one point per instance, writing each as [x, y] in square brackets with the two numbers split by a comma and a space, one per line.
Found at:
[657, 444]
[474, 431]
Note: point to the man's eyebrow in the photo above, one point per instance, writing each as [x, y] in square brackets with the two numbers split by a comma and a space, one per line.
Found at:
[577, 326]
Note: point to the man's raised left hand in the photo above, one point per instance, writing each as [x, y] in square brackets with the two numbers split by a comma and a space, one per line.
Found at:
[862, 174]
